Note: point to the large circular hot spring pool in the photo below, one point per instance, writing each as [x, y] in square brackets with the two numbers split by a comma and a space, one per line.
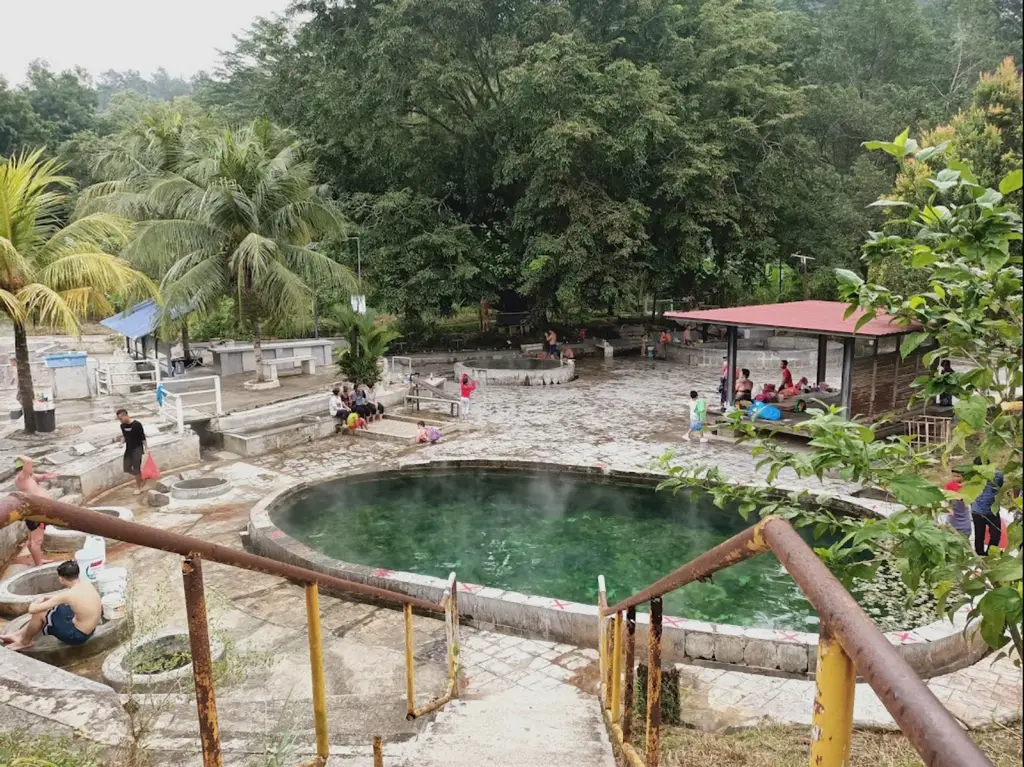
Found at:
[543, 533]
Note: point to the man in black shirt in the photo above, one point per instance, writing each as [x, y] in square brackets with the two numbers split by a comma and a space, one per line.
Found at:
[134, 437]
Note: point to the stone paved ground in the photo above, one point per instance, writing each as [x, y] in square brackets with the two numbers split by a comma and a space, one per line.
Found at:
[621, 416]
[978, 696]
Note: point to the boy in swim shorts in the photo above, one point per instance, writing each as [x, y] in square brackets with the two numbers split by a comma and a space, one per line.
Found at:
[70, 616]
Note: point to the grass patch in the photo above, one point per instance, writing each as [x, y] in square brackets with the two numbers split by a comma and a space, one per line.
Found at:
[789, 747]
[21, 750]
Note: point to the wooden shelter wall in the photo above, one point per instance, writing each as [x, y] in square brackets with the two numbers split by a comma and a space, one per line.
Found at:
[882, 383]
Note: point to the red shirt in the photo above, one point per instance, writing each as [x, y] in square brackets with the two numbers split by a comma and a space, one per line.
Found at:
[467, 388]
[787, 378]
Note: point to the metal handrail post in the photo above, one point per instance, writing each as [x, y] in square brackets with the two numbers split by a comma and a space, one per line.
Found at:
[832, 720]
[616, 669]
[627, 707]
[316, 670]
[202, 664]
[653, 746]
[410, 680]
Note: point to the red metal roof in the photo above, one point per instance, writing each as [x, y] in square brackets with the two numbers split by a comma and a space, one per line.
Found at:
[804, 316]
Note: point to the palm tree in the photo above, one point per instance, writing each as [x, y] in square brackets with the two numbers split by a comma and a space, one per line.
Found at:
[53, 274]
[237, 215]
[367, 342]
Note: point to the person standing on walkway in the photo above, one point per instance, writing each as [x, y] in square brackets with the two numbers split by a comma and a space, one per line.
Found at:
[466, 388]
[985, 518]
[135, 445]
[959, 515]
[27, 482]
[698, 416]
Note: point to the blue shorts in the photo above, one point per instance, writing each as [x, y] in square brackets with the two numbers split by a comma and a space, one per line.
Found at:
[697, 426]
[59, 625]
[553, 350]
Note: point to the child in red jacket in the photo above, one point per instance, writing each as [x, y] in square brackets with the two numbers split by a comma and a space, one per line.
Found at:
[467, 387]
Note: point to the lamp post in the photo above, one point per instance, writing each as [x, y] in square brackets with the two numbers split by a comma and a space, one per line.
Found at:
[358, 300]
[803, 260]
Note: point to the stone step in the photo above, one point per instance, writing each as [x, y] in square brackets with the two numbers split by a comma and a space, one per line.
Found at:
[515, 728]
[352, 719]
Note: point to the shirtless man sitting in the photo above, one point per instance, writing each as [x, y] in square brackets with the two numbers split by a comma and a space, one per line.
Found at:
[70, 616]
[28, 482]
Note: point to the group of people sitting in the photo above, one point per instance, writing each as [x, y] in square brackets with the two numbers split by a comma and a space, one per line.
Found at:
[354, 408]
[744, 388]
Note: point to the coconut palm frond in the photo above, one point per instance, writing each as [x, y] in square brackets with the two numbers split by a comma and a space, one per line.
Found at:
[85, 234]
[318, 268]
[45, 306]
[88, 302]
[11, 305]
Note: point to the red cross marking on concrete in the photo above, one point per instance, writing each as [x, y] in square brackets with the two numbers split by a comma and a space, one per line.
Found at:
[382, 573]
[559, 604]
[470, 587]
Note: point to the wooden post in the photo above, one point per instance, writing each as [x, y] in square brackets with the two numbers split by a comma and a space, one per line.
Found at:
[849, 346]
[732, 348]
[822, 370]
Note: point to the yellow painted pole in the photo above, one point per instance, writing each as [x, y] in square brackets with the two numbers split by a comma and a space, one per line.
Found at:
[602, 654]
[617, 668]
[378, 752]
[410, 683]
[832, 721]
[316, 669]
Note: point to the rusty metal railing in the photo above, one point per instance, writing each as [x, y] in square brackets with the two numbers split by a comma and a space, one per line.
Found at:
[849, 643]
[20, 507]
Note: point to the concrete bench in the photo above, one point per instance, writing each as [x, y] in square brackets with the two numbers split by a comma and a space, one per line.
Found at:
[531, 348]
[268, 368]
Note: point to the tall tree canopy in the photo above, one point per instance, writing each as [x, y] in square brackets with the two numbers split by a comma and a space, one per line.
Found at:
[561, 156]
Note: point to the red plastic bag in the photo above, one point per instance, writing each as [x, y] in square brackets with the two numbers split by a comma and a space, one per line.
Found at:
[149, 468]
[1004, 540]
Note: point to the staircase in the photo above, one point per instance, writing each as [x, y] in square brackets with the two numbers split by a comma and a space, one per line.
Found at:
[515, 728]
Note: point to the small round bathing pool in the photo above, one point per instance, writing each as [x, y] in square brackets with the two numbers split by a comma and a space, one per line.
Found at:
[542, 533]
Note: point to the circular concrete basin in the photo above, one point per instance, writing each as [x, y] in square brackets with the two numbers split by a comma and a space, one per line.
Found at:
[56, 653]
[160, 662]
[517, 371]
[197, 489]
[24, 588]
[63, 539]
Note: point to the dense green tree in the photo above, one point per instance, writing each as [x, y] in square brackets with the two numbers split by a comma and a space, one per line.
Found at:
[231, 214]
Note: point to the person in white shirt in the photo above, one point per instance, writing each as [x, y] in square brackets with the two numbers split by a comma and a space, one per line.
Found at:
[336, 407]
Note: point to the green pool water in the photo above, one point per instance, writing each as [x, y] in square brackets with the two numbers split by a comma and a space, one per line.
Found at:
[544, 534]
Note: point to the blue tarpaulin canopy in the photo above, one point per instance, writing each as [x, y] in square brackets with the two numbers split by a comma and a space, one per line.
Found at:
[140, 320]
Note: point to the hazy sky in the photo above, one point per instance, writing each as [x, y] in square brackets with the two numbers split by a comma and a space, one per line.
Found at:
[182, 36]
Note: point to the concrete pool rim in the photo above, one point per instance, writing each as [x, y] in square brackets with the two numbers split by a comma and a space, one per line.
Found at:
[534, 372]
[938, 648]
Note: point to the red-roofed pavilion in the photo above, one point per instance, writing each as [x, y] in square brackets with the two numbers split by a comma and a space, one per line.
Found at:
[879, 381]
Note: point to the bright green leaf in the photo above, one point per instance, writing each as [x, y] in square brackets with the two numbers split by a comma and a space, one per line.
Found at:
[1012, 181]
[973, 411]
[915, 490]
[911, 342]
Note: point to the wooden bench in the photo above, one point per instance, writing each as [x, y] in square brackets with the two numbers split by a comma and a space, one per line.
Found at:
[268, 368]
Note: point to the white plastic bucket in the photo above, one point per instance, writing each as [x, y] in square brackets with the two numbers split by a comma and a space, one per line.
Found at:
[91, 557]
[112, 580]
[113, 606]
